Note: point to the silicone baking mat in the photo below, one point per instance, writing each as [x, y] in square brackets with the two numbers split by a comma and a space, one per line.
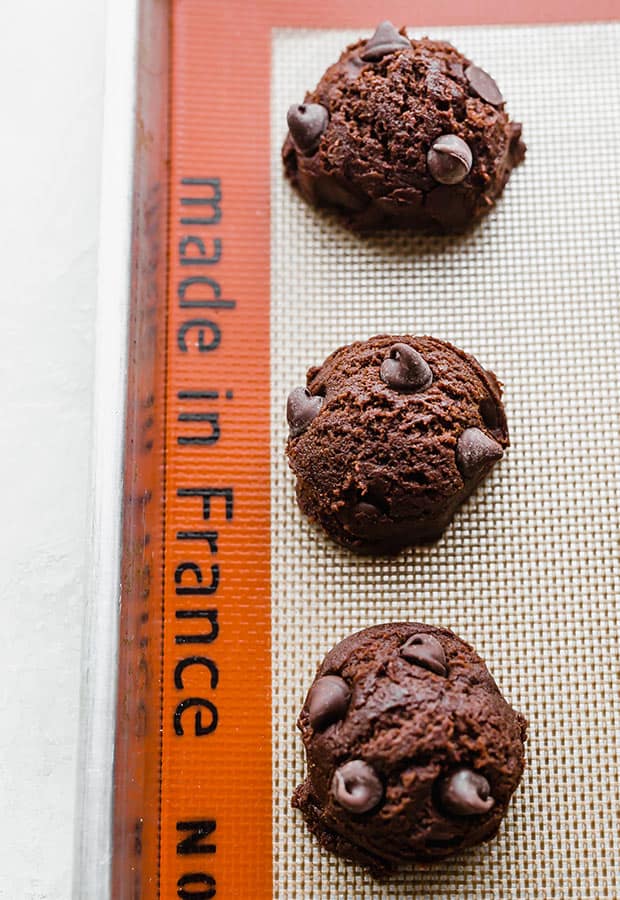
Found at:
[529, 571]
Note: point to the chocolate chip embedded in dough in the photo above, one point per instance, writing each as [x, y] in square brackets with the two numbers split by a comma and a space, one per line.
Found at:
[386, 39]
[426, 651]
[302, 408]
[450, 159]
[405, 369]
[465, 793]
[328, 701]
[356, 787]
[476, 451]
[484, 85]
[307, 122]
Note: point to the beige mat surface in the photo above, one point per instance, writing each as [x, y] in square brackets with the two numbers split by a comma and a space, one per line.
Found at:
[529, 571]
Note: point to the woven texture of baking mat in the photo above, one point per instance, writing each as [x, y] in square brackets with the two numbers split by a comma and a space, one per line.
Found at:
[529, 570]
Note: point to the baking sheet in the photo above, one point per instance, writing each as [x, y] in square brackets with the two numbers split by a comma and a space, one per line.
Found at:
[529, 570]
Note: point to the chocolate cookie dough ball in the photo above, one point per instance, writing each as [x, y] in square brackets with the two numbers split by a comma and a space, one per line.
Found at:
[390, 436]
[413, 754]
[402, 133]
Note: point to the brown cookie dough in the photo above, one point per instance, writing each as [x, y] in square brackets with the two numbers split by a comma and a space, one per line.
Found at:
[402, 133]
[413, 754]
[390, 436]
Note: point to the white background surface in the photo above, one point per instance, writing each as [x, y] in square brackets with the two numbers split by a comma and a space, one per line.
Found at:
[51, 77]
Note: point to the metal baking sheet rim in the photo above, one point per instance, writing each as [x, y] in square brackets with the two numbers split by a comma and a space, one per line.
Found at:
[93, 813]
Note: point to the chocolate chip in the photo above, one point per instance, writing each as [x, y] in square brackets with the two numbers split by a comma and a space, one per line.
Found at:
[465, 793]
[405, 369]
[356, 787]
[426, 651]
[301, 409]
[476, 452]
[352, 66]
[515, 132]
[449, 159]
[483, 85]
[328, 701]
[365, 510]
[385, 40]
[364, 519]
[307, 122]
[490, 413]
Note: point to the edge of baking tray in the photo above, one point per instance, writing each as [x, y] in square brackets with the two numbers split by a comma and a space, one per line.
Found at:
[93, 814]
